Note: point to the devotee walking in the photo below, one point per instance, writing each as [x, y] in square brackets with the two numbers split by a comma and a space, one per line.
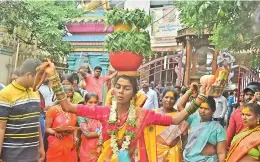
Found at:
[245, 146]
[122, 122]
[206, 138]
[236, 124]
[169, 138]
[152, 100]
[91, 145]
[20, 132]
[221, 109]
[61, 144]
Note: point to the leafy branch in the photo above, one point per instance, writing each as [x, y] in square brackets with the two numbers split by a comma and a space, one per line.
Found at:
[136, 18]
[39, 23]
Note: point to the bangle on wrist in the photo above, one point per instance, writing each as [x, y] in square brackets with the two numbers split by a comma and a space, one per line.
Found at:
[189, 92]
[192, 107]
[203, 97]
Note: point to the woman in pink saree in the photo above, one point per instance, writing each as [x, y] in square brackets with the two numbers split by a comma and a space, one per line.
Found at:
[61, 145]
[91, 131]
[123, 124]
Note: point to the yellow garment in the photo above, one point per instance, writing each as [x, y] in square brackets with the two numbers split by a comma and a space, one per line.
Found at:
[108, 101]
[150, 143]
[156, 150]
[107, 151]
[166, 153]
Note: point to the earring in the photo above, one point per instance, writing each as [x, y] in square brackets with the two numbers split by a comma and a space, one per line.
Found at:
[258, 122]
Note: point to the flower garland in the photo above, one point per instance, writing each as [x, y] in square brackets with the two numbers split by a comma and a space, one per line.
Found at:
[113, 128]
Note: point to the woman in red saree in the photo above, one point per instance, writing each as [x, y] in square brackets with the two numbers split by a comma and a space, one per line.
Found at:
[245, 146]
[61, 145]
[91, 131]
[123, 124]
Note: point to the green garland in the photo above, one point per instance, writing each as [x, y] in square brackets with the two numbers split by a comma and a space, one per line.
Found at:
[136, 42]
[136, 18]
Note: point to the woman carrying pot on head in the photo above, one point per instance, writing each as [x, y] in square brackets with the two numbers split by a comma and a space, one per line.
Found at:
[90, 147]
[122, 124]
[62, 144]
[168, 139]
[245, 146]
[206, 138]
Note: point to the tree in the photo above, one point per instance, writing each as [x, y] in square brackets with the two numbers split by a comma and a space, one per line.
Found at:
[39, 23]
[234, 24]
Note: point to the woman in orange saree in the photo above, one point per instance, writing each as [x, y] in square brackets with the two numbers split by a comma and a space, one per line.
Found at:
[169, 139]
[245, 146]
[91, 131]
[61, 145]
[123, 124]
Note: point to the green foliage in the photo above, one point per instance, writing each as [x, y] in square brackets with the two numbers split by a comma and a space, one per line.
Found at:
[137, 42]
[137, 18]
[231, 22]
[40, 23]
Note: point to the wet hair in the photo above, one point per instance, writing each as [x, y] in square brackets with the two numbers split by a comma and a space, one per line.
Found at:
[98, 68]
[30, 66]
[16, 72]
[131, 79]
[254, 107]
[89, 95]
[212, 104]
[166, 90]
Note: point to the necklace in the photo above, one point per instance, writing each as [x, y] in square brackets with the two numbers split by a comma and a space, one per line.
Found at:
[113, 128]
[119, 118]
[67, 117]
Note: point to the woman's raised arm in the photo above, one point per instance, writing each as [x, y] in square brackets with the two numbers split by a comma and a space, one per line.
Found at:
[193, 91]
[195, 104]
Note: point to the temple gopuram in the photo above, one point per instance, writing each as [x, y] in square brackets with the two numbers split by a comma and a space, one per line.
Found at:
[87, 38]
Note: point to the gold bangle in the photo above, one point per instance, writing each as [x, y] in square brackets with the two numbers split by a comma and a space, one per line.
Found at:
[53, 77]
[189, 92]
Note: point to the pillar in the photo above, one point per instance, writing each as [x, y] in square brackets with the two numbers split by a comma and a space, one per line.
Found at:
[188, 62]
[214, 61]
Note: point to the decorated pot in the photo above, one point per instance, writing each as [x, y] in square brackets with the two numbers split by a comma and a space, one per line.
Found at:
[125, 60]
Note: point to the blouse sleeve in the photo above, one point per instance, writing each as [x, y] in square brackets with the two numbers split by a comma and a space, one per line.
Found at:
[52, 112]
[221, 135]
[158, 119]
[93, 112]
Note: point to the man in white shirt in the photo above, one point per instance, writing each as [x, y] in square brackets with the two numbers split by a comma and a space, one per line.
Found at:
[152, 99]
[221, 109]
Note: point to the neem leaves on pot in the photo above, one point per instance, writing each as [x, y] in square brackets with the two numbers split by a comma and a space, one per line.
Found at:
[136, 18]
[136, 42]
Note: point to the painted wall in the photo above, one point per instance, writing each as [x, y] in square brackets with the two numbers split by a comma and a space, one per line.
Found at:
[93, 58]
[4, 73]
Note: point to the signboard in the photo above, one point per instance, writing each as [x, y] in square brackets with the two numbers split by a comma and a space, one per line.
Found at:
[165, 24]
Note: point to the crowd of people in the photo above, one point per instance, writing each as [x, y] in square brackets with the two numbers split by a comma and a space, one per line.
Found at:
[69, 119]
